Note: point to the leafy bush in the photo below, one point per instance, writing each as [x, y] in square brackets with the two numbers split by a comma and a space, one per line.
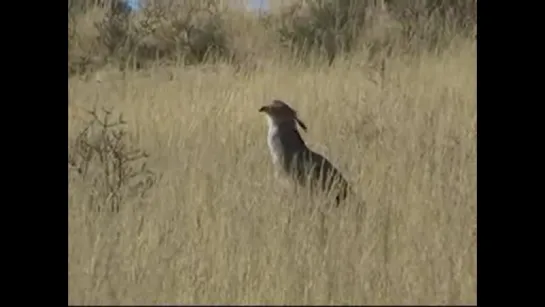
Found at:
[461, 14]
[331, 27]
[82, 6]
[433, 23]
[194, 32]
[323, 26]
[186, 31]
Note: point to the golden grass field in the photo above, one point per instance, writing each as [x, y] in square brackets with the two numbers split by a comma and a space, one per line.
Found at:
[216, 228]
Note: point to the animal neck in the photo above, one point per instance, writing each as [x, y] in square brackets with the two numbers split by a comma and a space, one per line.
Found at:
[286, 131]
[283, 126]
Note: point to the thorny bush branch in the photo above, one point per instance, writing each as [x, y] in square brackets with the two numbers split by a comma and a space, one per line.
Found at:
[103, 156]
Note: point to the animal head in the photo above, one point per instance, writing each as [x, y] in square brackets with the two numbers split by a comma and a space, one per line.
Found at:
[279, 112]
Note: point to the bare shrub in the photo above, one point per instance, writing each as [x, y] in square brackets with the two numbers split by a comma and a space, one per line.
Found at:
[102, 155]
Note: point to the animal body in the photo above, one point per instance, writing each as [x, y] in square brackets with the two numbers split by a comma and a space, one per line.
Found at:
[291, 156]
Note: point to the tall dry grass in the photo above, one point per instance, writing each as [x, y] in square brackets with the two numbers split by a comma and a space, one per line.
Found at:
[216, 228]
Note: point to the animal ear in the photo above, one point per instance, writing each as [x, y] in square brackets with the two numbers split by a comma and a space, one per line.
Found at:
[301, 124]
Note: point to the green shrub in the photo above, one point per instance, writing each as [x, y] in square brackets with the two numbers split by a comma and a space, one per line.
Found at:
[432, 24]
[82, 6]
[326, 27]
[187, 31]
[193, 32]
[332, 27]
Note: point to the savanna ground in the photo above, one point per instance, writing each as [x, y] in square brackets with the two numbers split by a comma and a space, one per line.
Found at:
[215, 228]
